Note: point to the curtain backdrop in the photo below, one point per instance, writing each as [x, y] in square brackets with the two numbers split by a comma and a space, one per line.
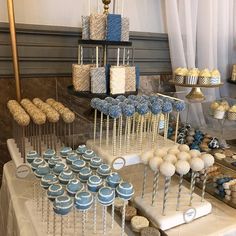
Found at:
[202, 33]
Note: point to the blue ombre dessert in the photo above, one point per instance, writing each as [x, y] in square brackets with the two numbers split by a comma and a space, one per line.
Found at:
[65, 176]
[88, 155]
[95, 162]
[31, 156]
[42, 170]
[59, 167]
[113, 180]
[62, 205]
[94, 183]
[48, 154]
[54, 191]
[84, 174]
[48, 180]
[73, 187]
[83, 200]
[77, 165]
[125, 190]
[72, 157]
[104, 170]
[65, 151]
[81, 149]
[36, 162]
[106, 196]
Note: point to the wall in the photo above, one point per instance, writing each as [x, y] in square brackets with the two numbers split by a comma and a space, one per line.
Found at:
[144, 17]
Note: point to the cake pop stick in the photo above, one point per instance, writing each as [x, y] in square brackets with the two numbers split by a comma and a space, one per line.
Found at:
[145, 157]
[166, 109]
[104, 217]
[208, 160]
[182, 168]
[107, 132]
[167, 169]
[154, 164]
[120, 134]
[196, 165]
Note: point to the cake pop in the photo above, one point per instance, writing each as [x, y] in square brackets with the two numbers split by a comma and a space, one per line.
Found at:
[154, 164]
[166, 109]
[71, 157]
[178, 106]
[84, 174]
[114, 112]
[103, 170]
[94, 184]
[171, 158]
[124, 191]
[94, 103]
[106, 196]
[77, 165]
[173, 151]
[196, 165]
[145, 157]
[83, 202]
[208, 160]
[95, 162]
[182, 168]
[185, 156]
[81, 149]
[73, 187]
[183, 148]
[31, 156]
[194, 153]
[88, 154]
[167, 169]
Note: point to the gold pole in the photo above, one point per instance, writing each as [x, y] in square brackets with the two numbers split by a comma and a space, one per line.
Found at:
[14, 47]
[106, 6]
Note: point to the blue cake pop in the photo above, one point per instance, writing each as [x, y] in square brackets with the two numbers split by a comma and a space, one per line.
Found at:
[115, 101]
[153, 99]
[62, 205]
[167, 107]
[145, 97]
[101, 104]
[128, 110]
[108, 99]
[143, 108]
[156, 108]
[105, 108]
[115, 111]
[94, 102]
[179, 106]
[121, 98]
[132, 97]
[83, 200]
[160, 101]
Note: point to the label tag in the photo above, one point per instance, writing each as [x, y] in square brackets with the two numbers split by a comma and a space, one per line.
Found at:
[22, 171]
[189, 215]
[118, 163]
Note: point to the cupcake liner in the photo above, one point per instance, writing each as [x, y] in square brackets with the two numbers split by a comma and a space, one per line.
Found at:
[191, 80]
[179, 79]
[232, 115]
[204, 80]
[219, 114]
[214, 80]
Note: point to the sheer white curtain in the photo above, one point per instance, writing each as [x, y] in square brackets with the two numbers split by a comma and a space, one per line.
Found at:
[202, 34]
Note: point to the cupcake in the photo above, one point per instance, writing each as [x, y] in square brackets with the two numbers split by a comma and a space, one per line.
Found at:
[232, 113]
[225, 104]
[204, 77]
[215, 77]
[192, 76]
[214, 105]
[180, 74]
[219, 113]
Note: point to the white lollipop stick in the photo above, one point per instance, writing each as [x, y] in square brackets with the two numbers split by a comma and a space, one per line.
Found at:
[107, 133]
[123, 219]
[114, 138]
[176, 127]
[101, 127]
[166, 190]
[95, 214]
[144, 180]
[83, 222]
[112, 214]
[155, 186]
[104, 216]
[95, 127]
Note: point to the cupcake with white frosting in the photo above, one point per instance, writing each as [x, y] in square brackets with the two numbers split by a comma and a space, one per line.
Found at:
[219, 113]
[204, 77]
[215, 77]
[192, 76]
[232, 113]
[180, 74]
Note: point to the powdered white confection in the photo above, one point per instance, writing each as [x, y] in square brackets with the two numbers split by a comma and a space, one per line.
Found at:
[185, 156]
[146, 156]
[171, 158]
[173, 151]
[196, 164]
[167, 169]
[117, 80]
[208, 160]
[160, 152]
[219, 156]
[194, 153]
[155, 163]
[182, 167]
[184, 148]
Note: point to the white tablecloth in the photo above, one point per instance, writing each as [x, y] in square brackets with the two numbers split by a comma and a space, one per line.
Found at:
[14, 218]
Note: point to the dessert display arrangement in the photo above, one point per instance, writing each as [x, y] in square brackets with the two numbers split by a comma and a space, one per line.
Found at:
[136, 123]
[39, 125]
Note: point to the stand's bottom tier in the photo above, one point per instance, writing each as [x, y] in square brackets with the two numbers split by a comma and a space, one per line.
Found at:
[71, 224]
[172, 218]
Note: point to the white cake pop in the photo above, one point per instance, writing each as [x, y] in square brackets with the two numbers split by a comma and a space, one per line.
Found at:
[208, 160]
[196, 164]
[155, 163]
[185, 156]
[171, 158]
[194, 153]
[160, 152]
[184, 148]
[182, 167]
[173, 151]
[167, 169]
[146, 156]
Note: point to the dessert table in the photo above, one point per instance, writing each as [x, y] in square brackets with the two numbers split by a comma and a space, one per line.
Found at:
[15, 220]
